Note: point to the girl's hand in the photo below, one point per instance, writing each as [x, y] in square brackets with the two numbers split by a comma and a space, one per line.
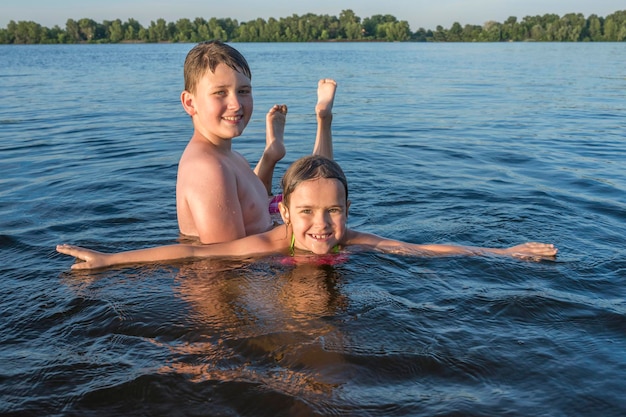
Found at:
[91, 258]
[533, 251]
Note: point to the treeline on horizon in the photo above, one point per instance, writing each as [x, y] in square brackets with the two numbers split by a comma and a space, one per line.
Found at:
[572, 27]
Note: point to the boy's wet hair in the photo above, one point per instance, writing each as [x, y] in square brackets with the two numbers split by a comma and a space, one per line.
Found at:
[207, 56]
[309, 168]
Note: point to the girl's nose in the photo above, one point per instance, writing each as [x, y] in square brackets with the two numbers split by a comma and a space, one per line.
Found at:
[321, 218]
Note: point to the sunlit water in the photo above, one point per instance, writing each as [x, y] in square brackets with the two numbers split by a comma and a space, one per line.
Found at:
[480, 144]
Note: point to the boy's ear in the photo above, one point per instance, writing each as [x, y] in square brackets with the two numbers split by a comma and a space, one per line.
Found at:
[284, 212]
[187, 100]
[348, 207]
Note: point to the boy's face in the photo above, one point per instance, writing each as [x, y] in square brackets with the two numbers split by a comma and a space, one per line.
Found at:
[222, 103]
[318, 212]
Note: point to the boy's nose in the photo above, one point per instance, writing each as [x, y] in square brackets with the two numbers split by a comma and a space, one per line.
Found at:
[234, 102]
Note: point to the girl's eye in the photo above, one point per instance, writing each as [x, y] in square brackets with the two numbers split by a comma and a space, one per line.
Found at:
[245, 92]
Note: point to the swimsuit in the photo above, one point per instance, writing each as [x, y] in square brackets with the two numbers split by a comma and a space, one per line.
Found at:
[273, 208]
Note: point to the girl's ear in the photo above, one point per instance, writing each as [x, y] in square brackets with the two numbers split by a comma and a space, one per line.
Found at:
[187, 100]
[284, 212]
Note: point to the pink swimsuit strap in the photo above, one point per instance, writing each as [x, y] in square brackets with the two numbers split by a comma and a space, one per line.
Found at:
[273, 208]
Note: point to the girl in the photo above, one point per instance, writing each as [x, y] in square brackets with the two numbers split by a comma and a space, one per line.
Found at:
[315, 212]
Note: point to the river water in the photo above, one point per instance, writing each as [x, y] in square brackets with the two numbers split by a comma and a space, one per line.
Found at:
[479, 144]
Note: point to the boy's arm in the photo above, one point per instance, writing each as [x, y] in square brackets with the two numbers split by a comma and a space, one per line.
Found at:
[209, 192]
[530, 250]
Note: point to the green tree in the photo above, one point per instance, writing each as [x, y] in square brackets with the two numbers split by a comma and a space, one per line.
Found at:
[131, 30]
[202, 31]
[350, 25]
[87, 29]
[615, 26]
[621, 19]
[509, 29]
[550, 24]
[229, 26]
[116, 31]
[72, 31]
[369, 25]
[440, 34]
[537, 33]
[393, 31]
[422, 35]
[595, 28]
[219, 29]
[455, 33]
[377, 26]
[185, 31]
[58, 34]
[273, 30]
[492, 31]
[158, 31]
[247, 32]
[569, 28]
[143, 35]
[472, 33]
[26, 32]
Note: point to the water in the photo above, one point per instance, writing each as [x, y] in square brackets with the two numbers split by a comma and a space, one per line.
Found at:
[482, 144]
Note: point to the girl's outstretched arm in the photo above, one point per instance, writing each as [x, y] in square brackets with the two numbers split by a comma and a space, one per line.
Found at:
[93, 259]
[274, 241]
[530, 250]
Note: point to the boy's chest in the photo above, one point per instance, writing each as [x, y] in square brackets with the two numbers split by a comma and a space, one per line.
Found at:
[253, 198]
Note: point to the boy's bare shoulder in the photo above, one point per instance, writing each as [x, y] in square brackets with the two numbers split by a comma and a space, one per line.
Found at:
[204, 177]
[200, 160]
[196, 150]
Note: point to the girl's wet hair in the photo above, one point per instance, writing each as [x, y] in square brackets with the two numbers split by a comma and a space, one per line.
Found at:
[207, 56]
[309, 168]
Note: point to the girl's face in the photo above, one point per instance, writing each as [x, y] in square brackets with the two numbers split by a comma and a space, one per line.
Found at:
[318, 212]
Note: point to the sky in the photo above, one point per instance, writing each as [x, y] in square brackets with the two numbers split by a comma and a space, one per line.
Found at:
[427, 14]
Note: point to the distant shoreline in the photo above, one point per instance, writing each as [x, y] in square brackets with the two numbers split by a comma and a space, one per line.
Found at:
[571, 27]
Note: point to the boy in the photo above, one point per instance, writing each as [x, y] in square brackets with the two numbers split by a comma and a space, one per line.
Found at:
[219, 198]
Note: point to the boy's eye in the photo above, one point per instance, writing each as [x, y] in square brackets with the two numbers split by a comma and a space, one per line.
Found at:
[245, 91]
[334, 210]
